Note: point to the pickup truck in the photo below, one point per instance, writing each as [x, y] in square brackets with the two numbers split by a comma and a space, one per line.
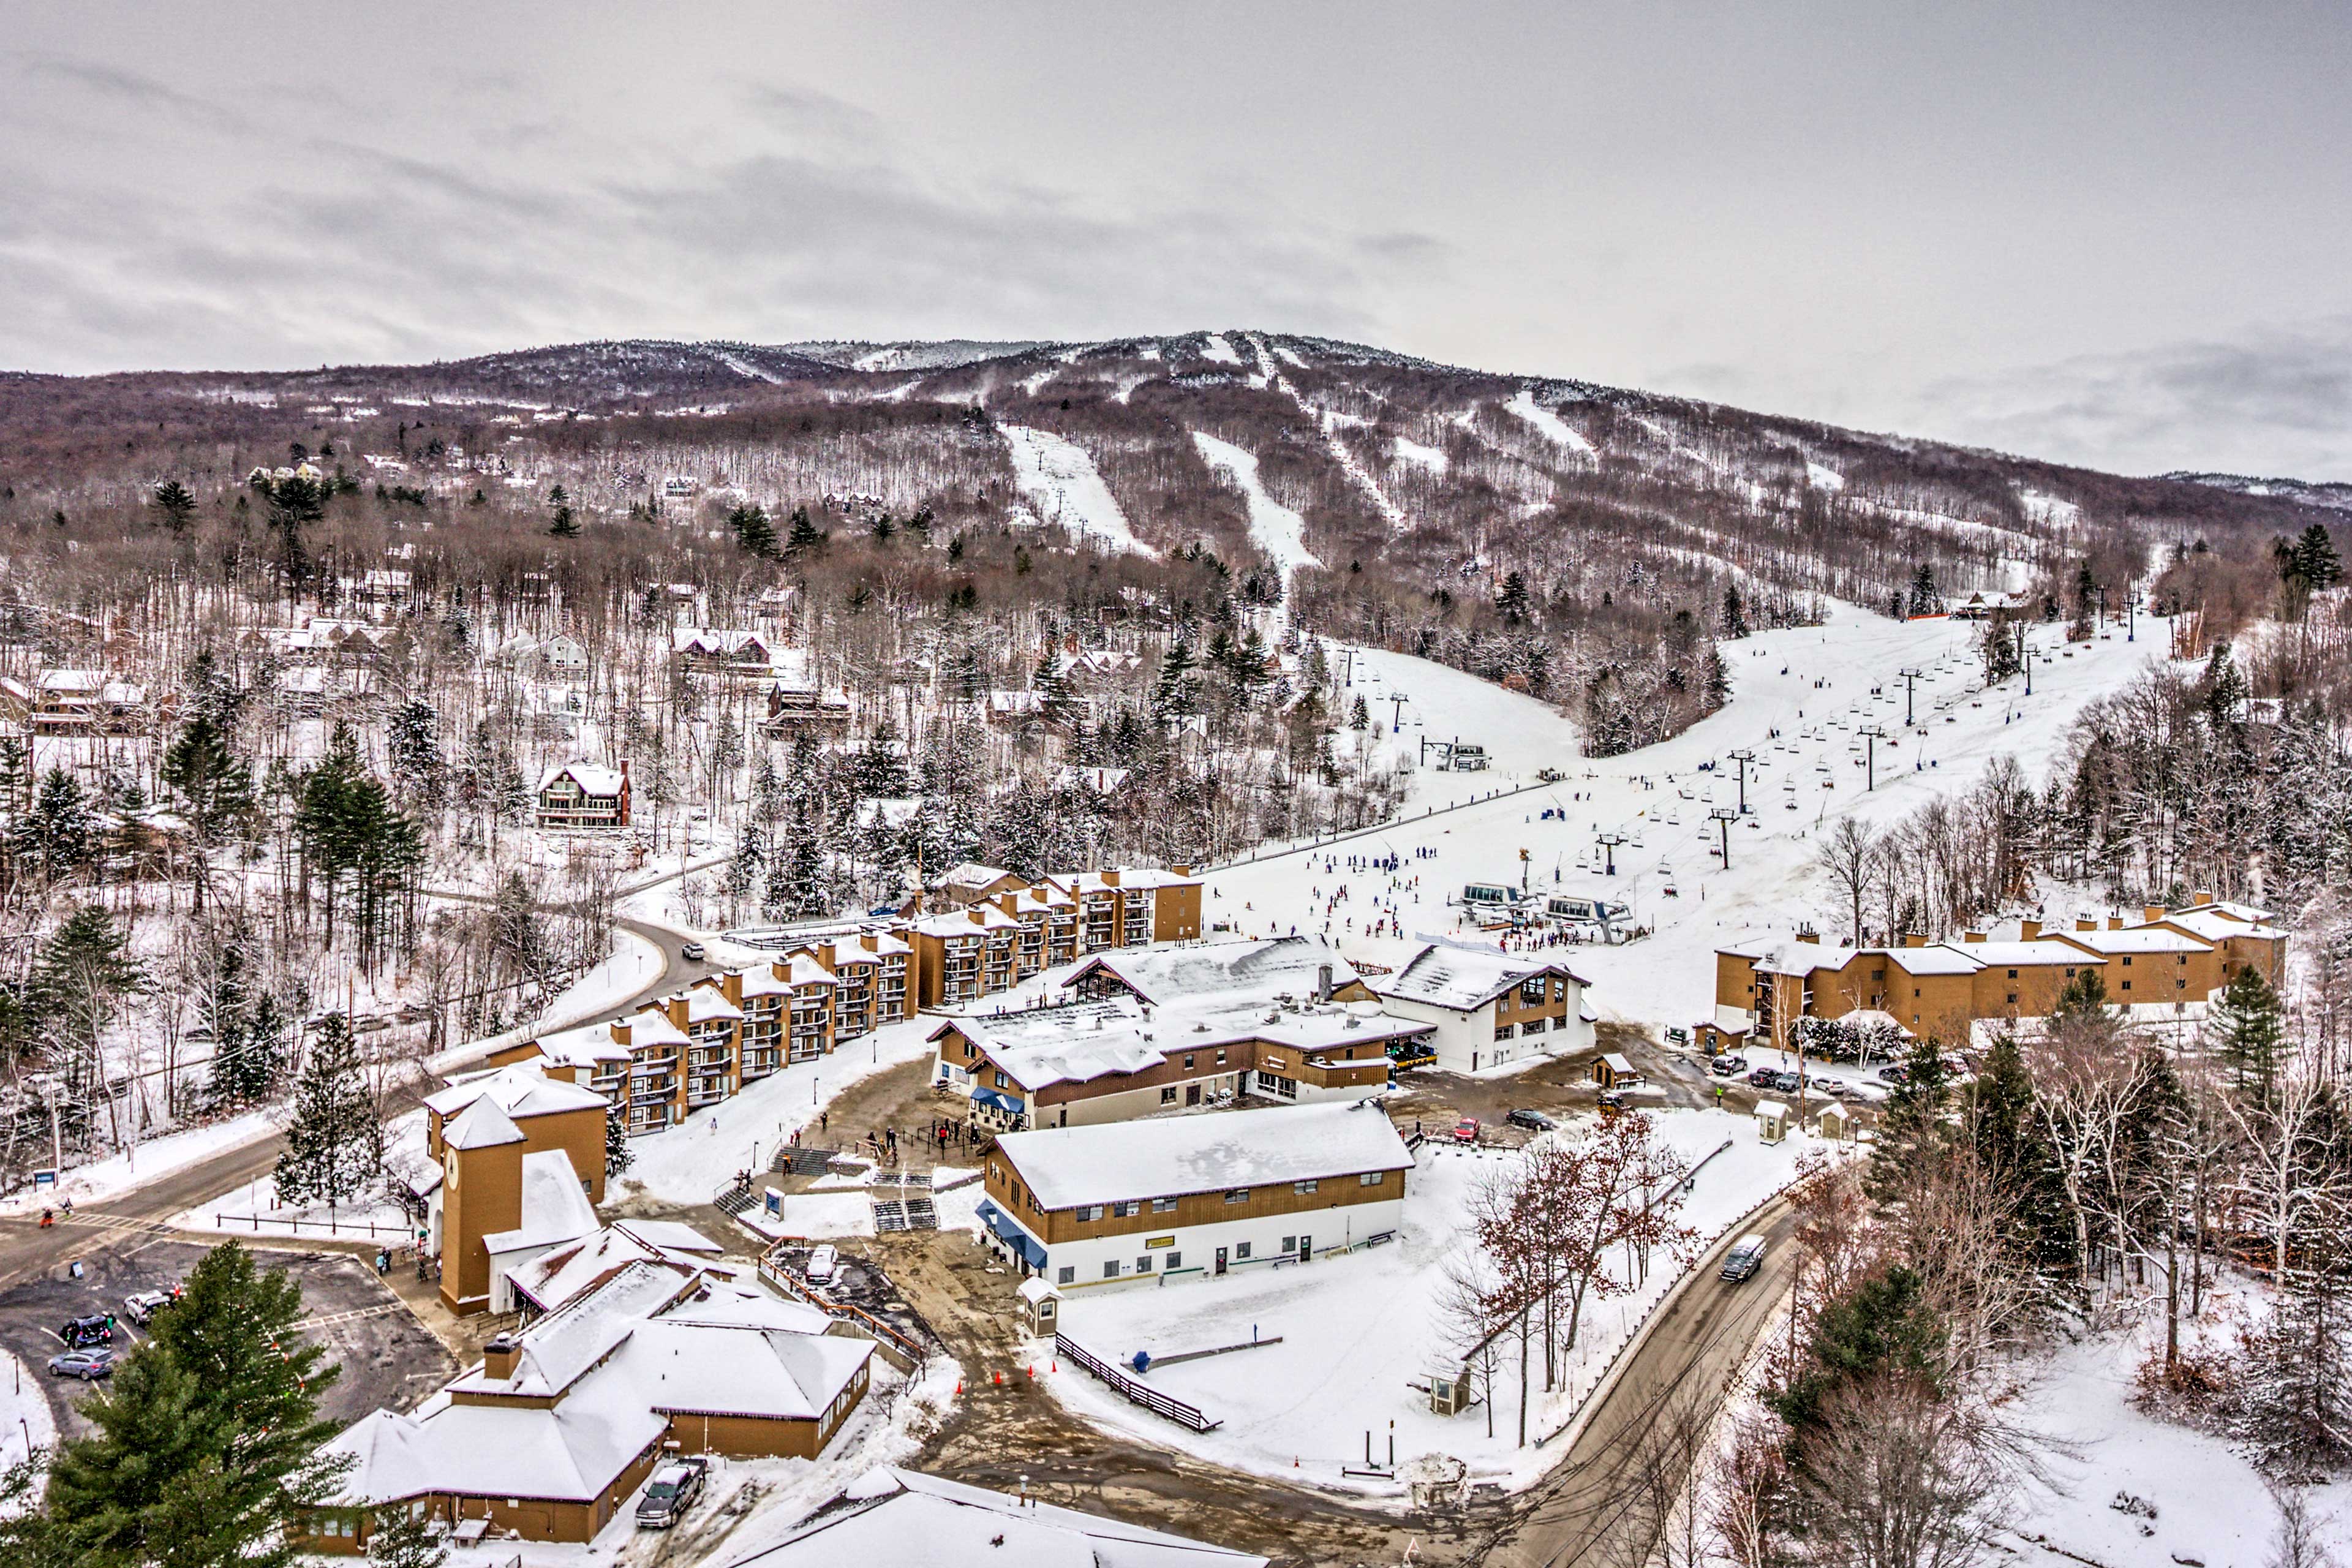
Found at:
[674, 1489]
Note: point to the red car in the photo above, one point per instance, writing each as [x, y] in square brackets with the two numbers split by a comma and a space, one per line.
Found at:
[1466, 1130]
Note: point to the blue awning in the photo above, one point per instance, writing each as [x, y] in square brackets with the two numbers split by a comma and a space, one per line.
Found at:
[1011, 1233]
[1002, 1101]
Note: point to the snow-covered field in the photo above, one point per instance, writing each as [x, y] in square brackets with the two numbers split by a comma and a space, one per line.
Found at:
[1357, 1329]
[26, 1422]
[1059, 479]
[1809, 769]
[254, 1208]
[147, 1162]
[1557, 430]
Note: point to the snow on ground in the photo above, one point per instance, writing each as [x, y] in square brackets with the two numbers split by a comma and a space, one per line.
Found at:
[1329, 421]
[253, 1209]
[1355, 1329]
[1822, 478]
[1414, 452]
[690, 1162]
[2049, 510]
[1809, 771]
[2210, 1505]
[1060, 482]
[1216, 348]
[26, 1422]
[1274, 528]
[1552, 425]
[143, 1162]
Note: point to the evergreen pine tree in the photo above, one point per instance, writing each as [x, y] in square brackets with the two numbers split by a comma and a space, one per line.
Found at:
[2249, 1031]
[619, 1156]
[1174, 698]
[83, 975]
[1734, 614]
[413, 747]
[205, 1442]
[1512, 598]
[754, 534]
[334, 1145]
[175, 503]
[805, 537]
[405, 1540]
[2014, 1153]
[1359, 714]
[215, 788]
[55, 836]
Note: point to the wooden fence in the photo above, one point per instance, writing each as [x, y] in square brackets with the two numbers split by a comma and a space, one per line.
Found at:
[1135, 1393]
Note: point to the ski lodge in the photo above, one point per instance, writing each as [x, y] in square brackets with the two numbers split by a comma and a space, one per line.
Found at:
[1490, 1007]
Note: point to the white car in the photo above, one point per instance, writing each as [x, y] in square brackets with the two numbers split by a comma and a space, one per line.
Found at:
[822, 1264]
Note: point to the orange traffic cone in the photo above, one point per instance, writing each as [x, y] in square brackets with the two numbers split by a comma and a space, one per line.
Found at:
[958, 1393]
[1057, 1365]
[1000, 1379]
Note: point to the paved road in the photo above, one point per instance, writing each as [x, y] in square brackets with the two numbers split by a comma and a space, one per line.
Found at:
[1601, 1506]
[26, 1250]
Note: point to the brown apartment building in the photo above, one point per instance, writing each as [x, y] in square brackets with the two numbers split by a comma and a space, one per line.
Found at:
[2165, 960]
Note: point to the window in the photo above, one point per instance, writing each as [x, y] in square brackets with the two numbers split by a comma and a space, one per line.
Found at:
[1238, 1196]
[1535, 1026]
[2069, 974]
[2012, 974]
[1110, 1269]
[1167, 1095]
[1221, 1057]
[1302, 1187]
[1175, 1260]
[1089, 1212]
[2126, 983]
[1143, 1264]
[1163, 1205]
[1127, 1210]
[1188, 1061]
[2182, 958]
[1289, 1244]
[1505, 1031]
[1000, 1081]
[1241, 1250]
[2127, 961]
[1372, 1179]
[1068, 1275]
[2013, 998]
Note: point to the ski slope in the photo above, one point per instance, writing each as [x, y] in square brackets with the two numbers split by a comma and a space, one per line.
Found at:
[1552, 425]
[1059, 481]
[1812, 772]
[1273, 527]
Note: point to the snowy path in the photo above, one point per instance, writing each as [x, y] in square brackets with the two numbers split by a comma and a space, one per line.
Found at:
[1329, 423]
[1811, 767]
[1060, 484]
[1552, 425]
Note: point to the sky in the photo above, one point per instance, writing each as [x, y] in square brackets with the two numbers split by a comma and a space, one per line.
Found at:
[2113, 234]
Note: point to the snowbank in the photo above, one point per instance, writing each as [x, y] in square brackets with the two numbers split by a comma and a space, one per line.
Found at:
[1354, 1330]
[145, 1162]
[24, 1411]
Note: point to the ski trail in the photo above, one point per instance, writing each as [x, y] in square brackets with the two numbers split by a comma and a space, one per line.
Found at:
[1552, 425]
[1060, 481]
[1328, 424]
[1273, 527]
[743, 366]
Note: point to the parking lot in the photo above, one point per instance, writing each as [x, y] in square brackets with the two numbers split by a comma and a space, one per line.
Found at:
[386, 1355]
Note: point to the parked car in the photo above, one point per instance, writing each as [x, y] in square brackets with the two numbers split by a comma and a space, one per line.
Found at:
[143, 1306]
[1787, 1082]
[89, 1365]
[1466, 1131]
[1746, 1257]
[1894, 1072]
[671, 1492]
[822, 1264]
[1727, 1067]
[79, 1333]
[1533, 1120]
[692, 951]
[1835, 1087]
[1765, 1078]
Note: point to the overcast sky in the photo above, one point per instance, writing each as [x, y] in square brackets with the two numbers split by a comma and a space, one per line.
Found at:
[2117, 235]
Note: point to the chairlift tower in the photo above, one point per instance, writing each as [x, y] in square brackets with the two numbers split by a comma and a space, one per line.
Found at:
[1874, 733]
[1910, 678]
[1743, 756]
[1609, 842]
[1723, 816]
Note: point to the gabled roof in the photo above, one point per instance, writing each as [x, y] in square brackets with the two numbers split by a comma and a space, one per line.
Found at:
[2021, 955]
[1260, 969]
[555, 1208]
[521, 1089]
[651, 1027]
[907, 1520]
[1115, 1161]
[1464, 979]
[2135, 940]
[600, 781]
[2214, 926]
[481, 1125]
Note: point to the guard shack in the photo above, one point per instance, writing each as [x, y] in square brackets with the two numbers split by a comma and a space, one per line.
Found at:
[1835, 1122]
[1612, 1071]
[1772, 1121]
[1041, 1308]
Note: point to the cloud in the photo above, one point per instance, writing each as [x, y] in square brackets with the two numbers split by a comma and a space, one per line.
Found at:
[2276, 401]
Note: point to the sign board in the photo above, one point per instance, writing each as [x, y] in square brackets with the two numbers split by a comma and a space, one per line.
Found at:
[1160, 1241]
[45, 1178]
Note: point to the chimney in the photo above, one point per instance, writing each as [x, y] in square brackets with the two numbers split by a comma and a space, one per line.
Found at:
[974, 915]
[1972, 936]
[1110, 878]
[2085, 922]
[2151, 913]
[499, 1358]
[2115, 922]
[2028, 930]
[1812, 936]
[2201, 897]
[1322, 982]
[1181, 870]
[1915, 939]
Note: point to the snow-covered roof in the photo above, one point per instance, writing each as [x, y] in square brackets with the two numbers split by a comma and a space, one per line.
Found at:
[973, 874]
[1937, 958]
[2020, 954]
[761, 980]
[593, 780]
[908, 1520]
[1462, 979]
[1260, 969]
[1111, 1163]
[652, 1027]
[522, 1091]
[2246, 912]
[2137, 939]
[71, 682]
[707, 1002]
[481, 1125]
[584, 1047]
[555, 1208]
[2214, 926]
